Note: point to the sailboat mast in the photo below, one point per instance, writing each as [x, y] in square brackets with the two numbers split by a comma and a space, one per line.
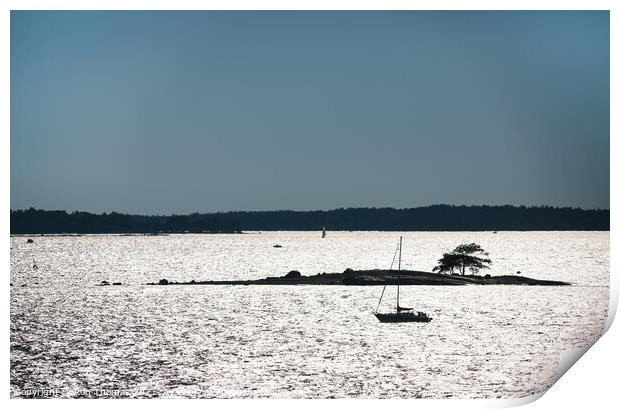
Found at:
[400, 253]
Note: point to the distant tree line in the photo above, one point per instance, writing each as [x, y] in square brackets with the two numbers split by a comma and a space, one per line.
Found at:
[429, 218]
[59, 221]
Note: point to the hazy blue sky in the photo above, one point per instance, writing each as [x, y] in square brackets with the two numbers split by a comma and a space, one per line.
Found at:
[161, 112]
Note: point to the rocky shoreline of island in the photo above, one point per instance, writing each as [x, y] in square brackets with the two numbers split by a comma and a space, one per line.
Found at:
[377, 277]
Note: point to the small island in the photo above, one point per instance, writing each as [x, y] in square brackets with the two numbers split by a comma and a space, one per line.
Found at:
[377, 277]
[467, 256]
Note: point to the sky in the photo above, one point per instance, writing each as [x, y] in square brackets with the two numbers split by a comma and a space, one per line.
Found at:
[180, 112]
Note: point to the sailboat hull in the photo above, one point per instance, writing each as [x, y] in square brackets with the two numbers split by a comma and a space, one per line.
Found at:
[403, 317]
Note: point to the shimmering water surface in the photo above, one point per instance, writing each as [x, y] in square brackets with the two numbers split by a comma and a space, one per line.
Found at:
[69, 335]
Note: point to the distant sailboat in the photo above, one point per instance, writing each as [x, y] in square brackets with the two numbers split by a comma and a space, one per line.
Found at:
[402, 314]
[324, 234]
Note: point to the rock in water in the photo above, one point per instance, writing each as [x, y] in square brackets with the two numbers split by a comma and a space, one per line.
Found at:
[293, 274]
[163, 281]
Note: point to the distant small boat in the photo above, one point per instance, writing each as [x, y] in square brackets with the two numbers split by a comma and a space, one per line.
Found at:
[402, 314]
[324, 234]
[277, 246]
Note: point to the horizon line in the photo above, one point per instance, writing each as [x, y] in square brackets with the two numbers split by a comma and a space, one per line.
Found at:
[316, 210]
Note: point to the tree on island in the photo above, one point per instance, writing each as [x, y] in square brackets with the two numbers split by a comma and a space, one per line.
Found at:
[466, 256]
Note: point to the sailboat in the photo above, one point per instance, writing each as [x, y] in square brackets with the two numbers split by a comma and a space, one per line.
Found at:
[402, 314]
[324, 234]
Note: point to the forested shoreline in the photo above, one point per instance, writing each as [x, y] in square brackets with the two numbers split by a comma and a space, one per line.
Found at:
[429, 218]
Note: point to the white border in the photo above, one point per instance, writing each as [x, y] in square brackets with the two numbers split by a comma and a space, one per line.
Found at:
[592, 381]
[308, 5]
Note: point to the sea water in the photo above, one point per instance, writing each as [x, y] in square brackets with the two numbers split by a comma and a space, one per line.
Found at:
[71, 337]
